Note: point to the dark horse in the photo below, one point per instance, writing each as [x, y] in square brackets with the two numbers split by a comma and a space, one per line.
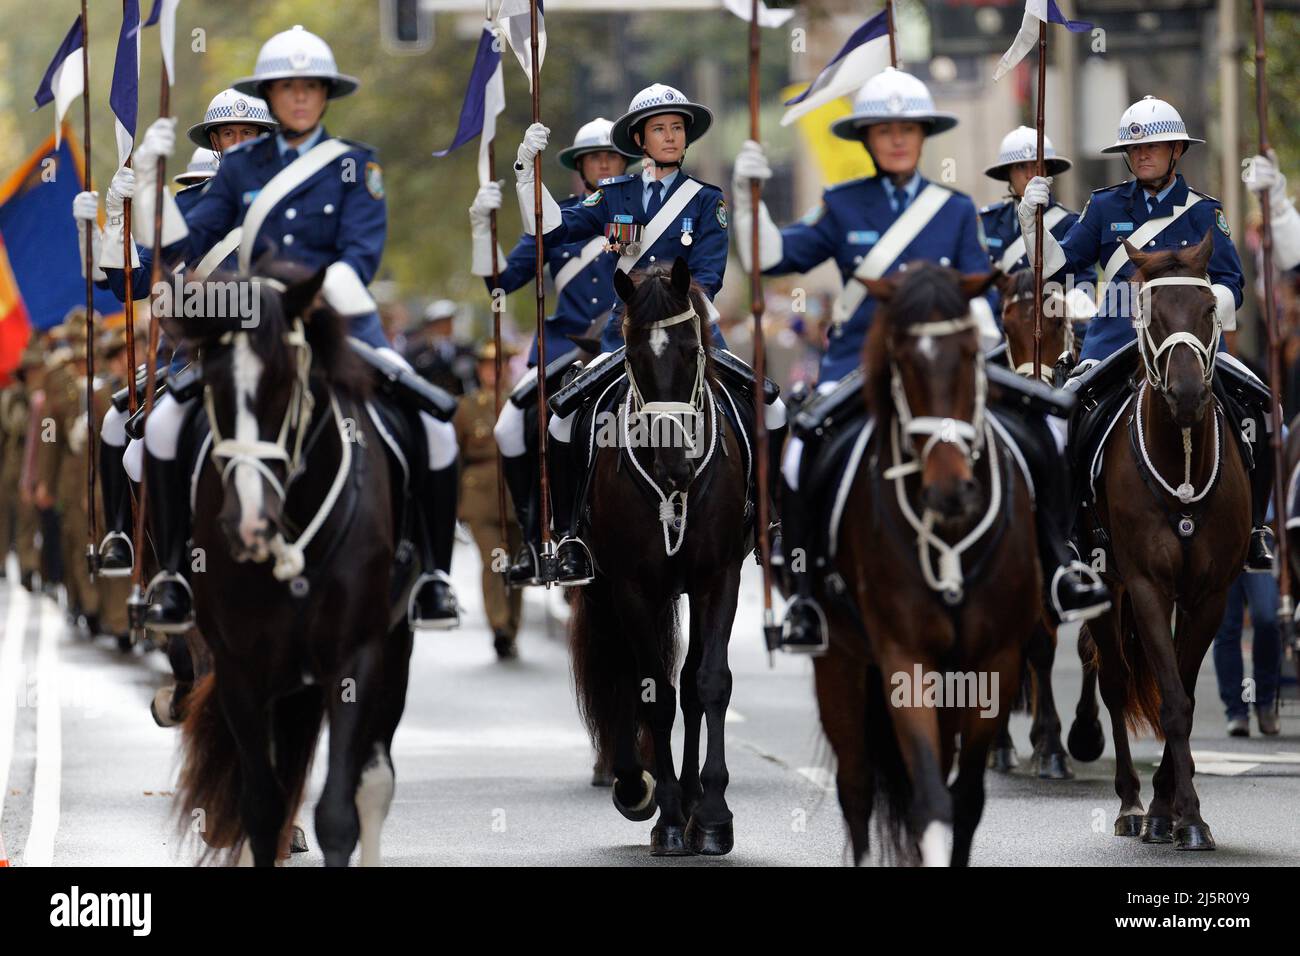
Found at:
[294, 508]
[1169, 555]
[934, 474]
[1058, 354]
[648, 550]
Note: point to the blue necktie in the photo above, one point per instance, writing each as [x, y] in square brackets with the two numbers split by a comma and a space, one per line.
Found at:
[290, 155]
[900, 200]
[1151, 205]
[656, 200]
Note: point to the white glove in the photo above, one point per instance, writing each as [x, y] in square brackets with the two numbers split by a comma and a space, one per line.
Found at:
[751, 163]
[1262, 175]
[486, 201]
[536, 138]
[85, 207]
[1037, 193]
[120, 189]
[159, 140]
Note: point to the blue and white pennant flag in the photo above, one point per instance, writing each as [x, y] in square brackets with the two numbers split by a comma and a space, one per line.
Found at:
[766, 17]
[124, 95]
[1036, 12]
[164, 13]
[864, 54]
[485, 99]
[65, 78]
[516, 22]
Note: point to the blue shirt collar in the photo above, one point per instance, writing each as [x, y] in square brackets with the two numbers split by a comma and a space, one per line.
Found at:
[910, 187]
[281, 144]
[1160, 196]
[667, 181]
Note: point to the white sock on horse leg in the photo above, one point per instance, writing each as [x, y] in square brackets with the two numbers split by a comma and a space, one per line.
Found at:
[441, 439]
[133, 459]
[509, 430]
[162, 433]
[790, 460]
[374, 797]
[113, 429]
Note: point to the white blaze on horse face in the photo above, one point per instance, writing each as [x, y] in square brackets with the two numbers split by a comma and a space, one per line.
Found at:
[658, 341]
[248, 482]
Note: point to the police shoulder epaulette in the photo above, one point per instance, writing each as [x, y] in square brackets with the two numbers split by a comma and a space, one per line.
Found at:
[1213, 199]
[247, 144]
[615, 180]
[994, 206]
[364, 147]
[847, 183]
[1104, 189]
[570, 200]
[200, 186]
[707, 185]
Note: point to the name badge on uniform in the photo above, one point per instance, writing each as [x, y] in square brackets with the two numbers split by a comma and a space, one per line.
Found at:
[687, 225]
[862, 237]
[994, 241]
[623, 235]
[1121, 227]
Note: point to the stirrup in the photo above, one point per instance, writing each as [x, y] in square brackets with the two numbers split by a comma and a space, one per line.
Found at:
[163, 577]
[115, 572]
[591, 563]
[442, 624]
[1083, 613]
[825, 631]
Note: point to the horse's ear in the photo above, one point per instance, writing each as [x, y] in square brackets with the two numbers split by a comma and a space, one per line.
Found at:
[299, 296]
[1137, 258]
[681, 277]
[1199, 257]
[882, 290]
[1006, 284]
[623, 285]
[976, 285]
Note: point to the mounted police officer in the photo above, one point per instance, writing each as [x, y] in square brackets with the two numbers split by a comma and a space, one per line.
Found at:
[1156, 210]
[583, 274]
[201, 167]
[654, 217]
[311, 198]
[872, 227]
[1261, 174]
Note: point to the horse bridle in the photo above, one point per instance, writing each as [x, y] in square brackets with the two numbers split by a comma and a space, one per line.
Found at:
[669, 515]
[967, 436]
[1067, 350]
[1152, 352]
[290, 557]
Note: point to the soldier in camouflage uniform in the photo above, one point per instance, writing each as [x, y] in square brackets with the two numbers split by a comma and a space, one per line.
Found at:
[475, 418]
[30, 376]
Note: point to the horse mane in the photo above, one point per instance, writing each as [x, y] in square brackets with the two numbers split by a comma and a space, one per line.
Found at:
[926, 290]
[655, 299]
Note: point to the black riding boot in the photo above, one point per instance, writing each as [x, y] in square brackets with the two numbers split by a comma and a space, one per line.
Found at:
[171, 603]
[1246, 400]
[775, 448]
[520, 475]
[1074, 592]
[573, 563]
[433, 600]
[115, 554]
[805, 630]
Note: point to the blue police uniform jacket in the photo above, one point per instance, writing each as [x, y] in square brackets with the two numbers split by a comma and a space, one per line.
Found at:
[849, 222]
[336, 215]
[588, 296]
[1001, 228]
[1111, 215]
[704, 219]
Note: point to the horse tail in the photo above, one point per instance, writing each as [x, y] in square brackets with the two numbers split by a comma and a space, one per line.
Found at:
[892, 797]
[1142, 705]
[207, 801]
[604, 667]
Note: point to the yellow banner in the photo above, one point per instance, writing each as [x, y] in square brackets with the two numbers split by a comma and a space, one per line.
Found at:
[837, 159]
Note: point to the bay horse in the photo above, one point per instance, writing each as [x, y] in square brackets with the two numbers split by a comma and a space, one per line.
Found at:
[932, 481]
[301, 630]
[648, 550]
[1058, 352]
[1173, 513]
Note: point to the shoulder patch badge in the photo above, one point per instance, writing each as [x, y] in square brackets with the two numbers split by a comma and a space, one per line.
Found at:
[375, 180]
[1221, 221]
[595, 198]
[722, 213]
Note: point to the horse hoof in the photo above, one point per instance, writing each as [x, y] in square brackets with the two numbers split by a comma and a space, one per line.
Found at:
[161, 707]
[1157, 829]
[1128, 824]
[1086, 741]
[600, 777]
[124, 643]
[668, 840]
[1053, 766]
[298, 842]
[1003, 759]
[709, 839]
[1193, 836]
[644, 809]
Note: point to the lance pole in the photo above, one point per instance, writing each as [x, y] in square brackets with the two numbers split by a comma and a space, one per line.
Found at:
[545, 495]
[92, 552]
[1038, 210]
[1285, 606]
[893, 39]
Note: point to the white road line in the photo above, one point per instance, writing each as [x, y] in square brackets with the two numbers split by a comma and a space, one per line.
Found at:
[49, 743]
[11, 655]
[821, 776]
